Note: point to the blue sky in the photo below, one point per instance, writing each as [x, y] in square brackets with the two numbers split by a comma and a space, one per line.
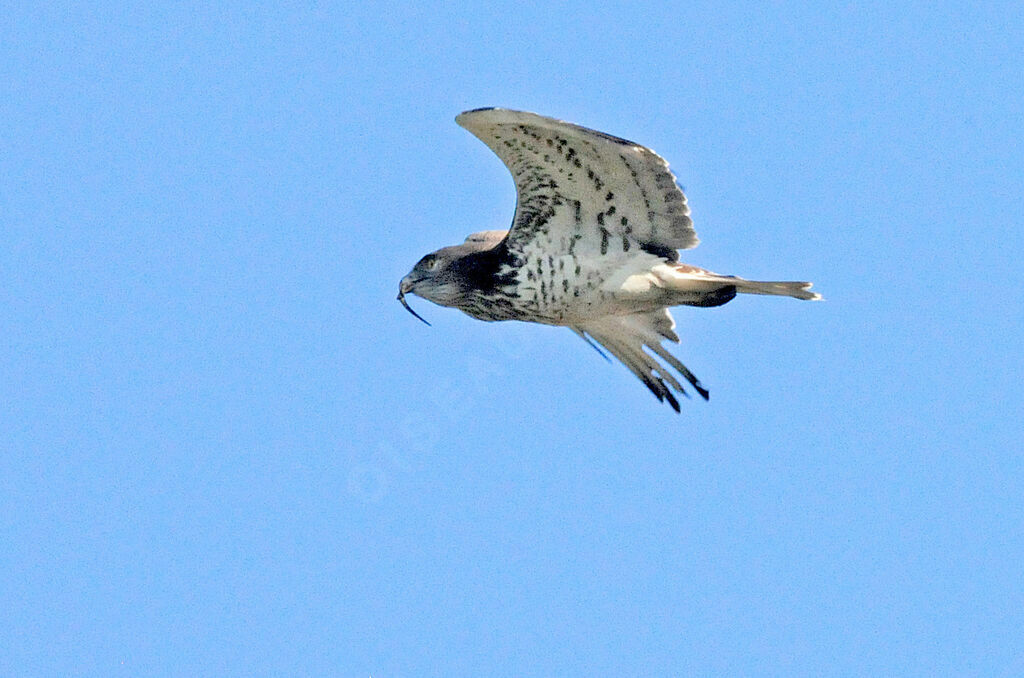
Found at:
[226, 450]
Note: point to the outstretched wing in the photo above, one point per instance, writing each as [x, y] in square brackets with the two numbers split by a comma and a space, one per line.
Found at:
[626, 336]
[574, 183]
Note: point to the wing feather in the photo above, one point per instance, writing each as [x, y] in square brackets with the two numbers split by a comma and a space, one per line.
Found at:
[626, 336]
[490, 238]
[573, 182]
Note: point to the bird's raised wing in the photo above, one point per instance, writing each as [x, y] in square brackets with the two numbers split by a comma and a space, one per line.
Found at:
[575, 183]
[626, 336]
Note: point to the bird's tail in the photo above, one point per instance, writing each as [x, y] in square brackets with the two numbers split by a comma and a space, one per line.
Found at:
[711, 289]
[797, 290]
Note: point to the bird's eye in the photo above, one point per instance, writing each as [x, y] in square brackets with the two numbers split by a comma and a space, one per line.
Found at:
[429, 263]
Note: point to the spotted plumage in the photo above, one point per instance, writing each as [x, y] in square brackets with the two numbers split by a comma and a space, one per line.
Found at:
[593, 247]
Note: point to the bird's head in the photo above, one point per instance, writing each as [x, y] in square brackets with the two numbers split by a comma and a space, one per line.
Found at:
[447, 276]
[434, 278]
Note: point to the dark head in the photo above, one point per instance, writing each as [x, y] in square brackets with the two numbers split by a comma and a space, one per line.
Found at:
[450, 275]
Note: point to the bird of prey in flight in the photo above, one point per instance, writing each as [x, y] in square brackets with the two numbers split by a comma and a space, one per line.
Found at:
[592, 246]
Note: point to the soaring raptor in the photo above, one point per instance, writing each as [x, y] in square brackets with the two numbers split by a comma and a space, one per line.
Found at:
[593, 246]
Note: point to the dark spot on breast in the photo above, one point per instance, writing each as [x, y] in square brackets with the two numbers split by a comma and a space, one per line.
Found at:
[604, 241]
[609, 196]
[625, 244]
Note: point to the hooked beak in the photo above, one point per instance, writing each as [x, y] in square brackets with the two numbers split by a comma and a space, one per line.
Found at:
[403, 288]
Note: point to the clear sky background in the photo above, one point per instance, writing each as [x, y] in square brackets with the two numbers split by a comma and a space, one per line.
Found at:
[226, 450]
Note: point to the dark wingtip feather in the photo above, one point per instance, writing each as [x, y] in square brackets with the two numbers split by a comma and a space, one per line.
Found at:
[593, 345]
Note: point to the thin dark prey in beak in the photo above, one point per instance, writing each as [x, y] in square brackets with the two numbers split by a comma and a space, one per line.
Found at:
[401, 298]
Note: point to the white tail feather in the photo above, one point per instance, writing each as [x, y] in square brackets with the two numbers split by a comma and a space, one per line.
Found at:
[797, 290]
[684, 278]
